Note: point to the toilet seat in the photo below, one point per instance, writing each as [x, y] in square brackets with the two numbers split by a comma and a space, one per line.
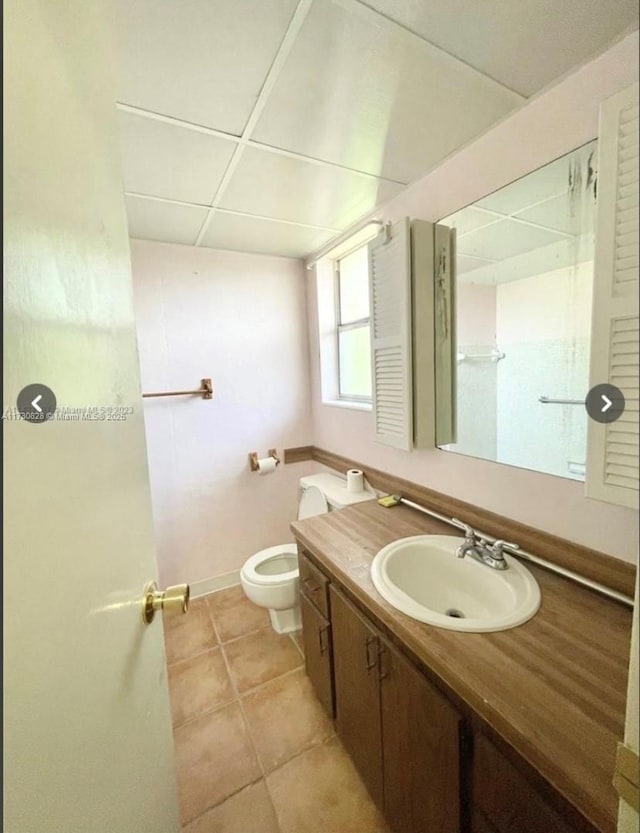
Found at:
[251, 570]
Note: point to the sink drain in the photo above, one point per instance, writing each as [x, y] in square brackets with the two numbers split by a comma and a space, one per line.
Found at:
[455, 614]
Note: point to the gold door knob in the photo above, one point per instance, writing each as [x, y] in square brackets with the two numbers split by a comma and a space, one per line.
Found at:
[174, 599]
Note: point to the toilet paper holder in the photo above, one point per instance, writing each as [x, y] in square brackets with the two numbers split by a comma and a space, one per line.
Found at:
[253, 458]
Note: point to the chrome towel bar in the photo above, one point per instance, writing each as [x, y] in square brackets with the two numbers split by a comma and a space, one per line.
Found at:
[205, 390]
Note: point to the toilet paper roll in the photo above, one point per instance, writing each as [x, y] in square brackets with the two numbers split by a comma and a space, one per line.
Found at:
[266, 465]
[355, 481]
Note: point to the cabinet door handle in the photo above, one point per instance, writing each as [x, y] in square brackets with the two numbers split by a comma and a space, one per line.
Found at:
[309, 585]
[324, 645]
[372, 652]
[383, 670]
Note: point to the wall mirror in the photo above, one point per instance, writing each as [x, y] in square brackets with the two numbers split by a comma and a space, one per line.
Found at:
[518, 344]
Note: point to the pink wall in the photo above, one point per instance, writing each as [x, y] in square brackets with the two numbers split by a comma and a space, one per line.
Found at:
[476, 313]
[239, 319]
[552, 124]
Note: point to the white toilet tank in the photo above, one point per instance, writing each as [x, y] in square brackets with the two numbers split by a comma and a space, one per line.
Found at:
[322, 493]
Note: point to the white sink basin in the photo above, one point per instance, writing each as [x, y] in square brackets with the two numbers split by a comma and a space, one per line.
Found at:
[422, 577]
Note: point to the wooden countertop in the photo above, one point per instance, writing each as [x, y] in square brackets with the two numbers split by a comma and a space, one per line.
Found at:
[553, 688]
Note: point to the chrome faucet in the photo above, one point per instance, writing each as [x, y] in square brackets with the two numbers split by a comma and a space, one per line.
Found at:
[480, 550]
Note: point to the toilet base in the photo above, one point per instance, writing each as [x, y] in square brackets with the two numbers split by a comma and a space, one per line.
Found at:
[286, 621]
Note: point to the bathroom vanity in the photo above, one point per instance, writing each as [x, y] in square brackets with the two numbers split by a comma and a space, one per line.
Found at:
[453, 732]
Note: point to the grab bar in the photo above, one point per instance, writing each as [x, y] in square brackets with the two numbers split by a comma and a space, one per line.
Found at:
[547, 401]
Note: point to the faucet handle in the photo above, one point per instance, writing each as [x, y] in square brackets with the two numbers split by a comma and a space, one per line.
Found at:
[469, 531]
[498, 547]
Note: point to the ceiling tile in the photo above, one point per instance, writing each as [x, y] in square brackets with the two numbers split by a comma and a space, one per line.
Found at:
[283, 188]
[504, 239]
[362, 93]
[198, 60]
[166, 160]
[169, 223]
[469, 219]
[254, 234]
[522, 44]
[560, 214]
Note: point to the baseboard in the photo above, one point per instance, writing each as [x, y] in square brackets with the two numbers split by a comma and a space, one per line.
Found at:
[210, 585]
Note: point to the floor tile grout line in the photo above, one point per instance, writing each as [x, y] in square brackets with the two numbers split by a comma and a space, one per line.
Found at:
[173, 664]
[244, 694]
[245, 723]
[293, 639]
[248, 633]
[237, 695]
[307, 748]
[206, 713]
[219, 642]
[219, 803]
[242, 711]
[213, 620]
[253, 743]
[334, 736]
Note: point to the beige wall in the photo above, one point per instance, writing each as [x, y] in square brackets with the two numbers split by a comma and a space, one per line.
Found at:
[551, 125]
[239, 319]
[476, 313]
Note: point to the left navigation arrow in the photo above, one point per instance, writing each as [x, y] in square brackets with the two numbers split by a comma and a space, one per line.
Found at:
[36, 403]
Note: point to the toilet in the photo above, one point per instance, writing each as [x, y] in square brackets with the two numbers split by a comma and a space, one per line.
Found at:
[270, 577]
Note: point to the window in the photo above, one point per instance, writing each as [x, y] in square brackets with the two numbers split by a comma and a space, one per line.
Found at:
[352, 315]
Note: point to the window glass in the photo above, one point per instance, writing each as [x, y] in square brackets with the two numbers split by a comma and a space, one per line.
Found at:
[354, 286]
[354, 351]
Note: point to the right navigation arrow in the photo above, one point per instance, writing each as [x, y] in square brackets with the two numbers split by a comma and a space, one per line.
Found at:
[607, 403]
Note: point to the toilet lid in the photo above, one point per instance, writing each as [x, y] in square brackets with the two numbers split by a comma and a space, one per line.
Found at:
[312, 502]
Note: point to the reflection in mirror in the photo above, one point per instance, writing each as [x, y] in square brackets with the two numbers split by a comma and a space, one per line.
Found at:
[524, 262]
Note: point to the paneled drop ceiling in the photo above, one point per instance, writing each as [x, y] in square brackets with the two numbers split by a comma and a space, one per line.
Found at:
[274, 125]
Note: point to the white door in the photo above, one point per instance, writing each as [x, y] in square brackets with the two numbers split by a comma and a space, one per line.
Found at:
[87, 732]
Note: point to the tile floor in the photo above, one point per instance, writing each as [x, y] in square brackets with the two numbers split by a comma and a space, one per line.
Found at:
[255, 752]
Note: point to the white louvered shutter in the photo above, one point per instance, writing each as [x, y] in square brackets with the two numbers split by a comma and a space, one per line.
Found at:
[612, 449]
[390, 296]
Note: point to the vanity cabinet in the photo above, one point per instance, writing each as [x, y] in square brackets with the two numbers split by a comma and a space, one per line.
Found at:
[418, 757]
[401, 733]
[316, 632]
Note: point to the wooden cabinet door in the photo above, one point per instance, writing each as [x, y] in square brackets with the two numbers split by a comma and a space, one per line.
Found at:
[316, 636]
[507, 799]
[421, 751]
[357, 690]
[479, 824]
